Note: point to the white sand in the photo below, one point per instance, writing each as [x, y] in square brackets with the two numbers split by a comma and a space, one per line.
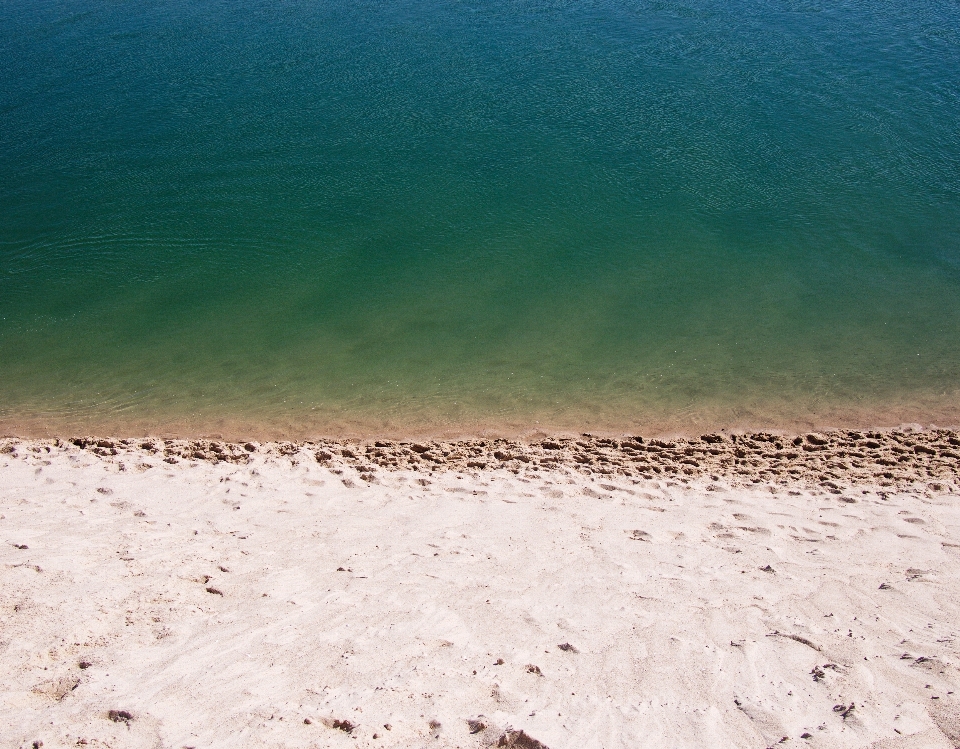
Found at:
[675, 631]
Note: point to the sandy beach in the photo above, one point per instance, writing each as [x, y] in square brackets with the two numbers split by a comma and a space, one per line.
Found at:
[571, 592]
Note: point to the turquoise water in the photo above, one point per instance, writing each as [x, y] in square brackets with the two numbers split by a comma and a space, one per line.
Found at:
[298, 217]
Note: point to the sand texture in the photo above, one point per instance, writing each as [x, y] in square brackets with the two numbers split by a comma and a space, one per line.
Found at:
[569, 593]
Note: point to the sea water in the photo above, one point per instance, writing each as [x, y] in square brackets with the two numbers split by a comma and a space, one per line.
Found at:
[294, 217]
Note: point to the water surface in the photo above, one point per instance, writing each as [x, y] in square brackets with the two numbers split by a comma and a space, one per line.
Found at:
[309, 217]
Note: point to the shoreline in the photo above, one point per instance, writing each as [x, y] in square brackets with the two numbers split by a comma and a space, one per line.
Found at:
[780, 418]
[899, 458]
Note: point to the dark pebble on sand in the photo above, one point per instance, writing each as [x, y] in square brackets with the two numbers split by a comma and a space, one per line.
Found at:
[520, 740]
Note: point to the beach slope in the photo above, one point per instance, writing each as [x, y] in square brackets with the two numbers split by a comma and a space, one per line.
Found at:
[321, 595]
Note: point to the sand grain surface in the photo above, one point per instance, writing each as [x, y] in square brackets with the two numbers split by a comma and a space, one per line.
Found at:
[285, 600]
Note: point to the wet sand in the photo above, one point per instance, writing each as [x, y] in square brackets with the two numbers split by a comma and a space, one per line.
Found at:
[518, 421]
[746, 590]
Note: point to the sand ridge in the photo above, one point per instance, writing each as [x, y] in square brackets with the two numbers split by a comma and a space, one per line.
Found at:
[207, 594]
[891, 458]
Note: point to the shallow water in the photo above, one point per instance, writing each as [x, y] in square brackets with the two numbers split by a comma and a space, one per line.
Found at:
[364, 216]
